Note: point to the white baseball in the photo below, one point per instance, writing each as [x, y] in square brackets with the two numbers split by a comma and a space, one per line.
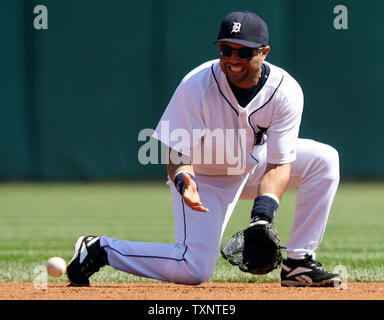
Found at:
[56, 267]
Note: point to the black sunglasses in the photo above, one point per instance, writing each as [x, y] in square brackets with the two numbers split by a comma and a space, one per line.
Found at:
[243, 53]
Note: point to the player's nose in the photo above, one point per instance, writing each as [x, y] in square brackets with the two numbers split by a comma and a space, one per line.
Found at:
[234, 58]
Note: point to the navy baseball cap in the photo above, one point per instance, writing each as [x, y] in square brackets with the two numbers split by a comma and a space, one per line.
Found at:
[244, 28]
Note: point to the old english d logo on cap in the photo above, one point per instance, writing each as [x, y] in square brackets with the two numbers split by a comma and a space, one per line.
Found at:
[236, 27]
[243, 28]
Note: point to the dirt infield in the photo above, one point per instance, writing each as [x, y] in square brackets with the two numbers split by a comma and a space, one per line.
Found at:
[206, 291]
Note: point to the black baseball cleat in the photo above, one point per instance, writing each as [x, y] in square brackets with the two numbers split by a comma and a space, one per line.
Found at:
[307, 273]
[89, 257]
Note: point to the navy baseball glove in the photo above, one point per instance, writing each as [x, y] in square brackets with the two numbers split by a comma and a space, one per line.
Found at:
[256, 249]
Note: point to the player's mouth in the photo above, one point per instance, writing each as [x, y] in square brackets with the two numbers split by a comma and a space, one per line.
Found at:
[235, 69]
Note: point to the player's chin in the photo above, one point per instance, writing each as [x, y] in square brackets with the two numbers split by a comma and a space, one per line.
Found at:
[236, 79]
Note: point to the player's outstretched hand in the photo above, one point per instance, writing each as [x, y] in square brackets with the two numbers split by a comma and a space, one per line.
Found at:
[191, 195]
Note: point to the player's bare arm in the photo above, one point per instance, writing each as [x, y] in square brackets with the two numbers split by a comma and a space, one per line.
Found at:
[190, 193]
[271, 190]
[275, 179]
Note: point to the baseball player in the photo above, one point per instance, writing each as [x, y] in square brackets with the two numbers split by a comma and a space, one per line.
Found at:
[234, 125]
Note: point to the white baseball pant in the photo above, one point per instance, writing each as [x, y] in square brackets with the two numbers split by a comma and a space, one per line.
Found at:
[192, 258]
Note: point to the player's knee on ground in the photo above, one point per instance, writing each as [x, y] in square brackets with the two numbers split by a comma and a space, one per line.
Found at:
[192, 277]
[197, 277]
[194, 271]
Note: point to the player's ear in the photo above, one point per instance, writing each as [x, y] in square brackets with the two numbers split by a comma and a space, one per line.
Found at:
[265, 51]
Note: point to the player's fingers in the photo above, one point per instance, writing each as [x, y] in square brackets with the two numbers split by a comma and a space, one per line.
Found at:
[200, 208]
[203, 209]
[195, 205]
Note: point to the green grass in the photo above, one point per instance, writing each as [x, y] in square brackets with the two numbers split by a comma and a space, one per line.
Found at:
[41, 220]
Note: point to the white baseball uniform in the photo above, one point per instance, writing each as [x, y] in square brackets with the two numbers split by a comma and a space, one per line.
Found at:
[230, 146]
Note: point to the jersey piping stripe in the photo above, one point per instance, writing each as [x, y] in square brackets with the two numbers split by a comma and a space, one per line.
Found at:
[254, 158]
[221, 92]
[159, 257]
[249, 117]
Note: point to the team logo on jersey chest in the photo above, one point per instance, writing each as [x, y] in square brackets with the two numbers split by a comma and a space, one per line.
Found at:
[236, 27]
[260, 136]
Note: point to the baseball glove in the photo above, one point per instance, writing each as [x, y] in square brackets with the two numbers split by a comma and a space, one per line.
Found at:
[256, 249]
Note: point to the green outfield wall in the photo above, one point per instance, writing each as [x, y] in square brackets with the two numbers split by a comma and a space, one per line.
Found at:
[75, 96]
